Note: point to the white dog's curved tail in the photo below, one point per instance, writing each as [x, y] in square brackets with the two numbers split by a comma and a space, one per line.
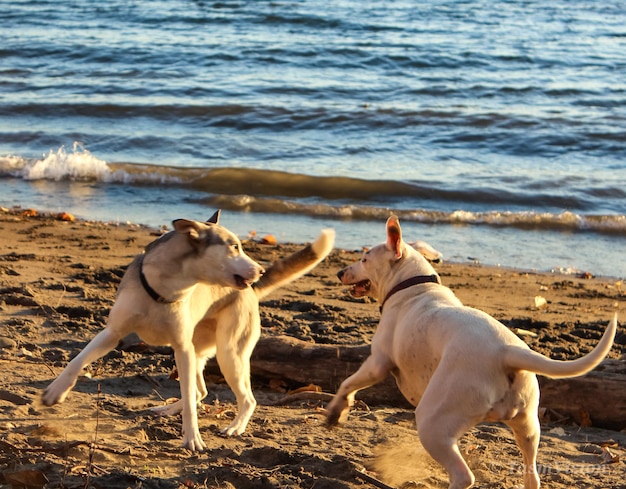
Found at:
[523, 359]
[295, 265]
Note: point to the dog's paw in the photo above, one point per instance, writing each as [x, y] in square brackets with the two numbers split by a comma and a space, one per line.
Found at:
[336, 412]
[231, 431]
[235, 428]
[48, 398]
[239, 424]
[194, 442]
[169, 409]
[55, 393]
[335, 418]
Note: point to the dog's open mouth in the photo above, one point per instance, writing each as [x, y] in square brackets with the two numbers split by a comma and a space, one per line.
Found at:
[241, 282]
[361, 289]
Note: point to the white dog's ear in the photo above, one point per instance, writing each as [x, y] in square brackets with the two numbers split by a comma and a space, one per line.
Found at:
[215, 218]
[394, 236]
[186, 226]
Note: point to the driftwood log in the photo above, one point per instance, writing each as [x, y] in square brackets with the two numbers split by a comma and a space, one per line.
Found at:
[598, 397]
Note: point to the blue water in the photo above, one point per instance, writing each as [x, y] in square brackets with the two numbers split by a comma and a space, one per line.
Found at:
[496, 130]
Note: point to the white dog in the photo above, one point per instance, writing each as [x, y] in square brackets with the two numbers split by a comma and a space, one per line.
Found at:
[457, 365]
[194, 289]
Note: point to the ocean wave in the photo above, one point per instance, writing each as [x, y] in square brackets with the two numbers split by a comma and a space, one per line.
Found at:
[338, 197]
[275, 183]
[527, 220]
[79, 164]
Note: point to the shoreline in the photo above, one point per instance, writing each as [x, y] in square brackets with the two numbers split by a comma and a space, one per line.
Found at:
[23, 211]
[541, 250]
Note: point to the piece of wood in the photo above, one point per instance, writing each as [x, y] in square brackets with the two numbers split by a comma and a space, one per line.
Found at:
[324, 365]
[302, 362]
[601, 394]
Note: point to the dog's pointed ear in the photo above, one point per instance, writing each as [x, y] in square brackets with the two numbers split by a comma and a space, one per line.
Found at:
[188, 227]
[215, 218]
[394, 236]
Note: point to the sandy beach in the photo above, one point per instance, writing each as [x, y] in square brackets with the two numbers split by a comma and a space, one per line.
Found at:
[58, 279]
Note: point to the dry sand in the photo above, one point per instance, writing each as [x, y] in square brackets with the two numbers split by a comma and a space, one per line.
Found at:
[57, 284]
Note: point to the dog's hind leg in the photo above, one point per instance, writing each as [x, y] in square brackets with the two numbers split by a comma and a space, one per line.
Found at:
[233, 357]
[439, 433]
[201, 392]
[526, 430]
[102, 344]
[204, 341]
[201, 388]
[237, 374]
[204, 344]
[442, 416]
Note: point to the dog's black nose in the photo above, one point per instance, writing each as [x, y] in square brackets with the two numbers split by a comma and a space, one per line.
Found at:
[340, 273]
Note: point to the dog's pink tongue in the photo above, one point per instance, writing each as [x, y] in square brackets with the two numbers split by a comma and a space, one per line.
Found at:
[359, 290]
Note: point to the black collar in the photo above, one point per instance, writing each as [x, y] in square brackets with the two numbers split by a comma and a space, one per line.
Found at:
[151, 292]
[405, 284]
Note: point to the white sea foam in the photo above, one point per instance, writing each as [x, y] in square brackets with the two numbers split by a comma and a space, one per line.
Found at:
[11, 165]
[57, 165]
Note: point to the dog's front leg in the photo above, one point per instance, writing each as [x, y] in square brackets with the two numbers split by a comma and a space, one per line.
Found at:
[186, 362]
[375, 369]
[102, 344]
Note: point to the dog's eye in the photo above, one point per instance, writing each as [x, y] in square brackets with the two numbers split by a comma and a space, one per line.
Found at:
[235, 246]
[363, 260]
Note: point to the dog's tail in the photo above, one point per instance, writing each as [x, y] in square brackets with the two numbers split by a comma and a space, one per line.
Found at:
[524, 359]
[296, 265]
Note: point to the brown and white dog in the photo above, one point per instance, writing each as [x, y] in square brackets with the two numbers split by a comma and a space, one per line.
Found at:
[457, 365]
[196, 290]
